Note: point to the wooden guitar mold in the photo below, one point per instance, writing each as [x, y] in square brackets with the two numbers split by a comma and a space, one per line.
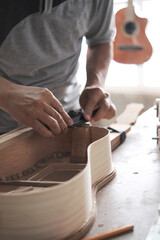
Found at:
[48, 186]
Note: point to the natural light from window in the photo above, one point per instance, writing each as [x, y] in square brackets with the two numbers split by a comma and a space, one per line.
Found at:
[144, 77]
[148, 74]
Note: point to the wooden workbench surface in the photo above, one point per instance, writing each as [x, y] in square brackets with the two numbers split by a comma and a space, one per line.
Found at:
[133, 196]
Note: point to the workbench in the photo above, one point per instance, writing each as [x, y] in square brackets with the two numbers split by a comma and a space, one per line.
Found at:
[133, 196]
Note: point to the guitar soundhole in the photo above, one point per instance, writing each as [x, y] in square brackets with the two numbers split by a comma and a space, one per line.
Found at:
[130, 27]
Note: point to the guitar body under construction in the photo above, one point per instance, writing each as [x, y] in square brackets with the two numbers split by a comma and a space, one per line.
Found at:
[131, 45]
[48, 185]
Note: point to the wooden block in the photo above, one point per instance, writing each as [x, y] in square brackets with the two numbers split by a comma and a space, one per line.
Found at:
[80, 142]
[130, 114]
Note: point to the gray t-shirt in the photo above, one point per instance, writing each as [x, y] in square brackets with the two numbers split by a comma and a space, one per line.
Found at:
[42, 49]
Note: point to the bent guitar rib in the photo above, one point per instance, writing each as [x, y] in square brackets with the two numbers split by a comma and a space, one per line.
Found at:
[48, 186]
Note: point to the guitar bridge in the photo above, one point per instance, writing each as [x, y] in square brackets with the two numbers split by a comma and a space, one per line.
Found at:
[130, 47]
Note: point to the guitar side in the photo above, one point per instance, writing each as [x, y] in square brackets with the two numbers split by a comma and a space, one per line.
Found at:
[131, 48]
[48, 186]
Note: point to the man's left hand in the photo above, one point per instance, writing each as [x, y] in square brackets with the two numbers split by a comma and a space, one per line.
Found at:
[96, 98]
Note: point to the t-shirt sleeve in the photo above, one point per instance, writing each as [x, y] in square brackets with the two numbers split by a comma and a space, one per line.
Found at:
[102, 29]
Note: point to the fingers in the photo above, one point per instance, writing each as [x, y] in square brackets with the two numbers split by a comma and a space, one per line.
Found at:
[96, 98]
[62, 114]
[104, 111]
[40, 128]
[51, 122]
[92, 102]
[38, 108]
[112, 112]
[56, 110]
[46, 114]
[55, 120]
[49, 125]
[53, 117]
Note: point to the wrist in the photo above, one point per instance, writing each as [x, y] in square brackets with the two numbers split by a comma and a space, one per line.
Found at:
[95, 80]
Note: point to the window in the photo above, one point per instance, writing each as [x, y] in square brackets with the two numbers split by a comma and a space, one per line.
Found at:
[132, 77]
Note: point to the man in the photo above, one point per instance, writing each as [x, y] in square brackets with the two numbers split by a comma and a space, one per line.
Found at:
[40, 43]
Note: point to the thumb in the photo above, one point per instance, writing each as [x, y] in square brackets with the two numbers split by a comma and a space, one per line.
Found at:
[88, 110]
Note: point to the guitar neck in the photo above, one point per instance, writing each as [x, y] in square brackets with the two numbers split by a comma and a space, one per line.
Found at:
[130, 15]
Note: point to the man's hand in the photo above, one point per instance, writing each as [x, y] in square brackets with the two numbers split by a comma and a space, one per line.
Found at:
[95, 98]
[36, 107]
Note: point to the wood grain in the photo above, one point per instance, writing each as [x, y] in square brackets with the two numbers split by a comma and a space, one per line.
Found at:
[67, 209]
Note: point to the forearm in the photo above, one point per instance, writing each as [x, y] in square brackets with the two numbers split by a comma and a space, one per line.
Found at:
[94, 95]
[5, 89]
[98, 60]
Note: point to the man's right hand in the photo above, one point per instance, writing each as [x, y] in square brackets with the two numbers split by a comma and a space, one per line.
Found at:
[35, 107]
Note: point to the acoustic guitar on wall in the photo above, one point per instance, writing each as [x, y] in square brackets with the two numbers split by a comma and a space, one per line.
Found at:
[131, 45]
